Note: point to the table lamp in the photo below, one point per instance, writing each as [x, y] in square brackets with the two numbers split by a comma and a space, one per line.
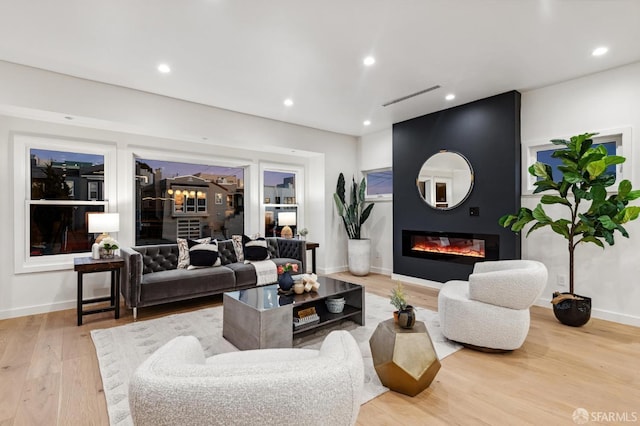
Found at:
[102, 223]
[286, 219]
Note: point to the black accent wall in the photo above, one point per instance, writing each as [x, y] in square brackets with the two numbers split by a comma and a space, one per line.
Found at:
[487, 132]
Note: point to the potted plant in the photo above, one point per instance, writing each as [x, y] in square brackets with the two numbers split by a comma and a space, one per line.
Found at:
[404, 315]
[353, 216]
[592, 217]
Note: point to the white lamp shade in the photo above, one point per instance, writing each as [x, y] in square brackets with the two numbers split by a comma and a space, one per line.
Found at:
[286, 219]
[104, 222]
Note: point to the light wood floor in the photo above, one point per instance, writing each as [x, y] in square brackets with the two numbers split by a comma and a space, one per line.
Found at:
[49, 372]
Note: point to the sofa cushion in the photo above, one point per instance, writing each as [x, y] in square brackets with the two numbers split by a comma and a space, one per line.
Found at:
[177, 283]
[183, 250]
[203, 255]
[245, 273]
[255, 249]
[238, 247]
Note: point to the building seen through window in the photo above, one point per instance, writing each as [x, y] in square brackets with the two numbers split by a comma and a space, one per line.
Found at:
[181, 200]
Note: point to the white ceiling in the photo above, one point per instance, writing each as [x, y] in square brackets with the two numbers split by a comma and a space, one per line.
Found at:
[249, 55]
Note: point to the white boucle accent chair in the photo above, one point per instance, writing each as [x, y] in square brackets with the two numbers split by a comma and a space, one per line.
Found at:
[491, 310]
[176, 385]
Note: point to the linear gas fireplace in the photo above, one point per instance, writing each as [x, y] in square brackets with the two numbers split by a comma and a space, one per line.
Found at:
[451, 246]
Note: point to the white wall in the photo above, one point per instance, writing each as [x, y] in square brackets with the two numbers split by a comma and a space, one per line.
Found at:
[608, 100]
[601, 101]
[376, 152]
[36, 101]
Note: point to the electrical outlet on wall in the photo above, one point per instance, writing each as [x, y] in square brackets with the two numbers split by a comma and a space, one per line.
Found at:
[561, 280]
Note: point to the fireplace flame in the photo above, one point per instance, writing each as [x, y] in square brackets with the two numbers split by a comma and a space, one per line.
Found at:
[469, 248]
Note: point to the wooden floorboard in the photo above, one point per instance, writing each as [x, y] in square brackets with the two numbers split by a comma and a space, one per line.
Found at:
[49, 372]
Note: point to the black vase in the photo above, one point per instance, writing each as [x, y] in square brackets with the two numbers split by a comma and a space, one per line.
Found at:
[406, 317]
[285, 281]
[575, 313]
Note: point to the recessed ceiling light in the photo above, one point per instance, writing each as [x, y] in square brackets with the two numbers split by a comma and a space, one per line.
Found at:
[369, 60]
[367, 122]
[164, 68]
[599, 51]
[450, 97]
[288, 102]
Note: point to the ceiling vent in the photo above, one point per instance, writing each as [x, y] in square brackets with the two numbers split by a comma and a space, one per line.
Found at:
[404, 98]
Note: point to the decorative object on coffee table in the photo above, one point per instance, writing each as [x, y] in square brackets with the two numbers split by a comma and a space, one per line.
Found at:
[405, 360]
[285, 280]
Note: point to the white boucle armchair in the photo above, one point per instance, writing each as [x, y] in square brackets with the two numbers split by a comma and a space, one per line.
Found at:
[177, 386]
[491, 310]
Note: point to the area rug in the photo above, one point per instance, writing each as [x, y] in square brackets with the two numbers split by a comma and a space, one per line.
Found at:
[121, 349]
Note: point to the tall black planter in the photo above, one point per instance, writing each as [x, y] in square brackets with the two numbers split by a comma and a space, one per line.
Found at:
[575, 313]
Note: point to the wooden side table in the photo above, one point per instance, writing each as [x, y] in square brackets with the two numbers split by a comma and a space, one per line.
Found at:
[87, 265]
[313, 246]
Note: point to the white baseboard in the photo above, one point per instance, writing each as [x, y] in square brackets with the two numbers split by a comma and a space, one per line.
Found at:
[37, 309]
[381, 271]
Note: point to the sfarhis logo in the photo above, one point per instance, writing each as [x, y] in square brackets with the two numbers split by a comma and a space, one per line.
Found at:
[581, 416]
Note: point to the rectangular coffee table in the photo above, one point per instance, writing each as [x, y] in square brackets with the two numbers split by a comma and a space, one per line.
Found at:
[259, 317]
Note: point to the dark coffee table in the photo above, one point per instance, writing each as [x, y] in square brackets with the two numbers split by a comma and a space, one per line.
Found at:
[259, 317]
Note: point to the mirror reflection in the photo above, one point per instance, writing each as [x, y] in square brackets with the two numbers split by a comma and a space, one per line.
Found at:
[445, 180]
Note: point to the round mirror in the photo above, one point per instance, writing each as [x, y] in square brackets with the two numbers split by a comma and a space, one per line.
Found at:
[445, 180]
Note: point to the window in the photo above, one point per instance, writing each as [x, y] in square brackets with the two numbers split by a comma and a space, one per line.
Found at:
[184, 200]
[545, 156]
[281, 195]
[614, 140]
[379, 184]
[57, 216]
[56, 198]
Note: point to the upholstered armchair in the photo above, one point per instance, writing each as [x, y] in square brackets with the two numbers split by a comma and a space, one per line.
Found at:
[176, 385]
[491, 310]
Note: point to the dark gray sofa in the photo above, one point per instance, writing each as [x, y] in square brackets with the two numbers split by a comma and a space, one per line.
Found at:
[150, 275]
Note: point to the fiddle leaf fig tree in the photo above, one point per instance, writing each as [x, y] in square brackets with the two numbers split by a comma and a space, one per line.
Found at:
[355, 213]
[592, 216]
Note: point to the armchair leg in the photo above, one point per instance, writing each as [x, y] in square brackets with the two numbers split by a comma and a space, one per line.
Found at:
[135, 314]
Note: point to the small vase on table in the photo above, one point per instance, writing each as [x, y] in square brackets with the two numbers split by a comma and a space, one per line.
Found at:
[285, 281]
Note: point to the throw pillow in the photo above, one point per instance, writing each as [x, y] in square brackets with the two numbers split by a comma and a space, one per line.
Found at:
[183, 251]
[203, 255]
[236, 240]
[255, 249]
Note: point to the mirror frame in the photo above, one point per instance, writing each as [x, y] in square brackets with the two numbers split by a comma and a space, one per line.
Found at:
[471, 184]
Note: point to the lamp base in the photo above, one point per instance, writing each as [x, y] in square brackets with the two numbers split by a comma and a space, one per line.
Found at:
[286, 232]
[101, 237]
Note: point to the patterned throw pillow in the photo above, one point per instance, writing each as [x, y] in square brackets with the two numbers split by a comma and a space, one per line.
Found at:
[236, 240]
[255, 249]
[203, 255]
[183, 251]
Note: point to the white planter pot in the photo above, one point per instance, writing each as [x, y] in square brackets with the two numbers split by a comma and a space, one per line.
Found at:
[359, 256]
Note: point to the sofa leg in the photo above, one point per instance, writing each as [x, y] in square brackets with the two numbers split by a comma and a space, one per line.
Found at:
[135, 314]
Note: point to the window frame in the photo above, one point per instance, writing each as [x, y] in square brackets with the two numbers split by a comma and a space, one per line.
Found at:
[378, 197]
[22, 144]
[622, 137]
